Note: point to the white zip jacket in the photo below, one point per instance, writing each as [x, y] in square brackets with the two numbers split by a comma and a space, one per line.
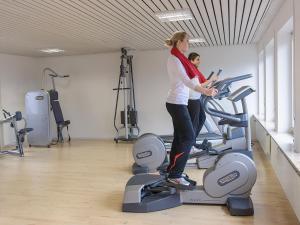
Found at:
[180, 82]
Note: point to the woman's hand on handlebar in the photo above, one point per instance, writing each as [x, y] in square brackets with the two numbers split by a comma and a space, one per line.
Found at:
[211, 92]
[206, 91]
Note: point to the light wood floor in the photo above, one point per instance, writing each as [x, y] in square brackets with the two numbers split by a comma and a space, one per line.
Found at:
[83, 183]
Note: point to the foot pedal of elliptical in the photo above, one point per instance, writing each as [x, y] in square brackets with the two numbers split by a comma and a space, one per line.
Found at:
[206, 145]
[136, 169]
[164, 190]
[163, 169]
[213, 152]
[187, 178]
[181, 186]
[238, 206]
[197, 154]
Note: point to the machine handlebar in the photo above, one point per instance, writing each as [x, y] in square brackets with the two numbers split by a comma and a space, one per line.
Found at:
[212, 73]
[17, 117]
[223, 90]
[223, 85]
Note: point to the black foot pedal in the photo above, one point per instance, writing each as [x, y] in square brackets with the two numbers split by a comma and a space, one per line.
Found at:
[205, 145]
[197, 154]
[136, 169]
[198, 146]
[163, 169]
[240, 206]
[181, 186]
[187, 178]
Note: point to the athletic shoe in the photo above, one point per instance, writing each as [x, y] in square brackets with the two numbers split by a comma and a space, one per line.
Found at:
[181, 183]
[195, 150]
[187, 178]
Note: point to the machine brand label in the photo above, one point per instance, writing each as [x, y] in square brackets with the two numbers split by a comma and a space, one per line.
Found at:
[144, 154]
[228, 178]
[39, 97]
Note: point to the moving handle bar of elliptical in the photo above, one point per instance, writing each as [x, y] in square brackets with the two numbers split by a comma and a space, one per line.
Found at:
[223, 86]
[212, 73]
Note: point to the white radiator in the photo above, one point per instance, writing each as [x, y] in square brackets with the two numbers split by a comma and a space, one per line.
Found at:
[263, 138]
[286, 174]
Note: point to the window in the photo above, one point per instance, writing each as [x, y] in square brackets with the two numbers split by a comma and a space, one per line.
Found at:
[269, 82]
[284, 116]
[261, 86]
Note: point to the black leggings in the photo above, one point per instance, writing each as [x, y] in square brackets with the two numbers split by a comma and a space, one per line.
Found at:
[184, 139]
[197, 115]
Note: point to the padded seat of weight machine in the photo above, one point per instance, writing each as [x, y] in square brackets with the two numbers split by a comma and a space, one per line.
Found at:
[53, 95]
[64, 123]
[59, 118]
[25, 130]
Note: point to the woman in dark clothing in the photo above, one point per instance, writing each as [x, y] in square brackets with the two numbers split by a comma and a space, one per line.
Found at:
[195, 107]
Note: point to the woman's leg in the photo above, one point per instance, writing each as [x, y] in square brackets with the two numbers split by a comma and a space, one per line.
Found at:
[173, 146]
[194, 110]
[184, 138]
[202, 118]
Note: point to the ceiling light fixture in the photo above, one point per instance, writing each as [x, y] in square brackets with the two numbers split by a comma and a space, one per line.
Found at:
[196, 40]
[174, 15]
[52, 50]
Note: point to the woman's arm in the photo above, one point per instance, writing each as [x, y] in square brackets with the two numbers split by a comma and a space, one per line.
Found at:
[206, 91]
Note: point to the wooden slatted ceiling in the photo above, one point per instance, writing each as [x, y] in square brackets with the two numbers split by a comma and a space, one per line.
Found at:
[92, 26]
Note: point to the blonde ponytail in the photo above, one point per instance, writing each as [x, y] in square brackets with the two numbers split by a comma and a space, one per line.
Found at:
[177, 36]
[169, 43]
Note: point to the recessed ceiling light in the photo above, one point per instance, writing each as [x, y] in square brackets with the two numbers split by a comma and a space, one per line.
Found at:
[52, 50]
[174, 15]
[197, 40]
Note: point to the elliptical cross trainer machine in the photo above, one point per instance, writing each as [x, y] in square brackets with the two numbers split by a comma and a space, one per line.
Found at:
[212, 133]
[228, 182]
[149, 149]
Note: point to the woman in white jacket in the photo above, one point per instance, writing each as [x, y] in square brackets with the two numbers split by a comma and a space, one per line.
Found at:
[181, 72]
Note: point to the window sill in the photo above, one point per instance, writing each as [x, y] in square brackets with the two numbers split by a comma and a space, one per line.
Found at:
[285, 142]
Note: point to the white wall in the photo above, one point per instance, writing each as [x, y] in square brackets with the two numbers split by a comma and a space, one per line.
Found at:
[88, 100]
[18, 75]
